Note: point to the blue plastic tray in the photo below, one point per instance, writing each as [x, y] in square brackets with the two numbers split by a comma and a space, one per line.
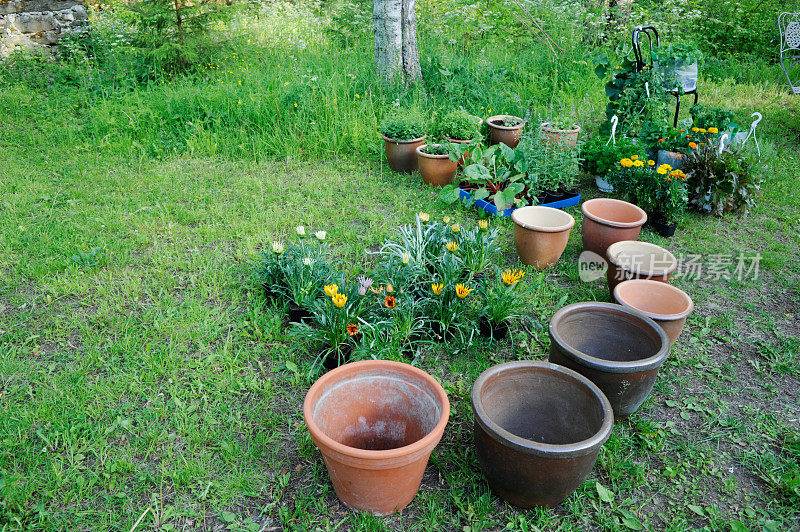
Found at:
[491, 209]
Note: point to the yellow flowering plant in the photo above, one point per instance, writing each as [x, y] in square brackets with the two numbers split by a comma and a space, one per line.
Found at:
[502, 296]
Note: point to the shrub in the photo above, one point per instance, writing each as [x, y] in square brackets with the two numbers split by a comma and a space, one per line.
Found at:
[705, 117]
[459, 125]
[720, 183]
[407, 124]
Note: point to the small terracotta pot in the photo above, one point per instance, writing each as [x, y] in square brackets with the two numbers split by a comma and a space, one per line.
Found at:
[499, 133]
[667, 305]
[541, 234]
[402, 154]
[375, 423]
[562, 138]
[436, 170]
[538, 430]
[607, 220]
[618, 349]
[631, 259]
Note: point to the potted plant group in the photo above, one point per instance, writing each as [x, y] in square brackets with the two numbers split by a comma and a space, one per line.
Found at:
[505, 129]
[403, 132]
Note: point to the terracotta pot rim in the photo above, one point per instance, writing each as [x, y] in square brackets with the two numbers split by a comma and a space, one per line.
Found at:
[546, 127]
[431, 155]
[429, 440]
[505, 128]
[530, 447]
[658, 285]
[614, 249]
[395, 141]
[612, 223]
[458, 141]
[610, 366]
[517, 213]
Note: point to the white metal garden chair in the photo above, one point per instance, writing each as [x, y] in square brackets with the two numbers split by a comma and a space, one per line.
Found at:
[789, 25]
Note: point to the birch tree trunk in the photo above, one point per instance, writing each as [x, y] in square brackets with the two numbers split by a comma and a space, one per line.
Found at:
[396, 56]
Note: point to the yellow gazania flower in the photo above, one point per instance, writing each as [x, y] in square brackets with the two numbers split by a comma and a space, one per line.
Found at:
[446, 219]
[692, 145]
[462, 291]
[424, 216]
[331, 290]
[451, 246]
[510, 277]
[436, 288]
[389, 288]
[713, 130]
[651, 162]
[634, 157]
[638, 163]
[627, 163]
[695, 130]
[456, 228]
[483, 224]
[339, 300]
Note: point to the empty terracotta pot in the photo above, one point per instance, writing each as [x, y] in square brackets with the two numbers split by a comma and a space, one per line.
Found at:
[563, 138]
[541, 234]
[375, 423]
[538, 430]
[508, 135]
[607, 220]
[402, 154]
[618, 349]
[631, 259]
[436, 170]
[667, 305]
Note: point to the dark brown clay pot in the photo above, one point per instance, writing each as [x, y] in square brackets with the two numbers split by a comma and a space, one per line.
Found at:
[618, 349]
[375, 423]
[667, 305]
[560, 138]
[631, 259]
[541, 234]
[538, 430]
[607, 220]
[436, 170]
[402, 154]
[499, 133]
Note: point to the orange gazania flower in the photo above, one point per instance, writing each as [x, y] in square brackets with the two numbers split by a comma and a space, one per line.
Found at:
[462, 291]
[390, 302]
[352, 329]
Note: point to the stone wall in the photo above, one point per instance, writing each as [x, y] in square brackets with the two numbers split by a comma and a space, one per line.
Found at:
[38, 24]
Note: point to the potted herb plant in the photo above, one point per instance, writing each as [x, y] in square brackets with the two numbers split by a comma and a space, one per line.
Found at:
[678, 62]
[505, 129]
[561, 132]
[600, 155]
[550, 172]
[460, 127]
[438, 163]
[403, 132]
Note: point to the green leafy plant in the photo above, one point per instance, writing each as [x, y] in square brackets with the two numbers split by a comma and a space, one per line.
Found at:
[722, 182]
[706, 117]
[661, 190]
[436, 149]
[547, 167]
[678, 52]
[459, 125]
[494, 174]
[407, 124]
[501, 296]
[560, 122]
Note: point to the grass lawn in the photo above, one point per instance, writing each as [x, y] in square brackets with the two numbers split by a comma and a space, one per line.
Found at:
[142, 374]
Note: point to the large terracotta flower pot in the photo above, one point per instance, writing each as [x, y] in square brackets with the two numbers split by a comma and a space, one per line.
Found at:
[618, 349]
[560, 138]
[541, 234]
[631, 259]
[607, 220]
[402, 154]
[375, 423]
[508, 135]
[436, 170]
[538, 430]
[667, 305]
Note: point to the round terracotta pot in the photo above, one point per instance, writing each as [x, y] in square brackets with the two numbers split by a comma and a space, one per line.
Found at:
[499, 133]
[541, 234]
[538, 430]
[667, 305]
[618, 349]
[563, 138]
[436, 170]
[375, 423]
[607, 220]
[631, 259]
[402, 154]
